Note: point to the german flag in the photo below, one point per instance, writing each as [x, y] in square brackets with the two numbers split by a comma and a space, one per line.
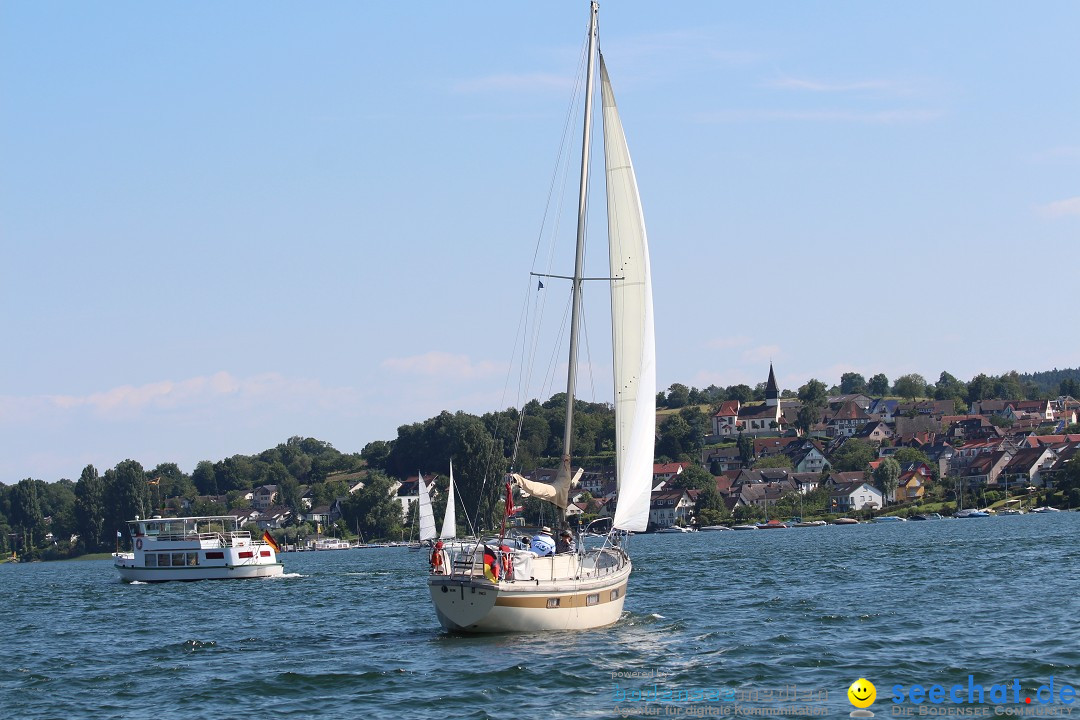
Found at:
[269, 540]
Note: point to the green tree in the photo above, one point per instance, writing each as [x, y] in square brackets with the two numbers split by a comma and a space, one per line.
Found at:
[693, 477]
[853, 455]
[911, 386]
[807, 417]
[852, 383]
[90, 510]
[814, 392]
[375, 454]
[26, 510]
[675, 440]
[373, 509]
[746, 448]
[878, 385]
[204, 478]
[887, 476]
[949, 388]
[678, 395]
[710, 508]
[742, 393]
[981, 387]
[125, 495]
[906, 456]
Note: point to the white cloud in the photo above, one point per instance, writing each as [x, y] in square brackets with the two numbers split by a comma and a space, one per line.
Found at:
[1060, 208]
[127, 402]
[443, 365]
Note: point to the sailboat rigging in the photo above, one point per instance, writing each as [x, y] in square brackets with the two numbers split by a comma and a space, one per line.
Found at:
[494, 587]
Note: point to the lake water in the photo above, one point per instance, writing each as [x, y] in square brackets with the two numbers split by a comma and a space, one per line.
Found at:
[723, 618]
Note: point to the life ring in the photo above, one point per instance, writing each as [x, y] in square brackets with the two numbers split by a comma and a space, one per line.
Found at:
[138, 544]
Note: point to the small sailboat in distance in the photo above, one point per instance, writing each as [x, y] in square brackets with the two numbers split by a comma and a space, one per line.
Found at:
[494, 586]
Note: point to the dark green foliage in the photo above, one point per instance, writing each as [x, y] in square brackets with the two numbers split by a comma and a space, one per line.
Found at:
[693, 477]
[373, 510]
[878, 385]
[910, 386]
[852, 383]
[853, 455]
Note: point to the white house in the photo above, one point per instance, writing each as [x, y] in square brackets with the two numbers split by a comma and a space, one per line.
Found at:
[851, 496]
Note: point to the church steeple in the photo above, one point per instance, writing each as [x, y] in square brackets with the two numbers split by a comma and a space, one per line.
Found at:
[772, 392]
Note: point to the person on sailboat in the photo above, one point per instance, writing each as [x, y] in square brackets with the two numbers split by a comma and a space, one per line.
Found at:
[566, 543]
[542, 543]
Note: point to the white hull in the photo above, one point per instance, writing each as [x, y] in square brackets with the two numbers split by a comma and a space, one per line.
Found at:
[470, 603]
[129, 573]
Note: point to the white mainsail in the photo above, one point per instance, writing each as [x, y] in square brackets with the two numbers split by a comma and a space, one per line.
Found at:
[633, 339]
[427, 517]
[449, 523]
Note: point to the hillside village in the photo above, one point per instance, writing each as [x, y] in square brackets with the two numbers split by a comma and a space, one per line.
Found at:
[757, 458]
[722, 456]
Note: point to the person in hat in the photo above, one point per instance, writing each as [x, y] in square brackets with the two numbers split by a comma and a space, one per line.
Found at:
[542, 543]
[565, 544]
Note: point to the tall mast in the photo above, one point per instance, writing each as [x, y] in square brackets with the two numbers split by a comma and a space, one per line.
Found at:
[579, 260]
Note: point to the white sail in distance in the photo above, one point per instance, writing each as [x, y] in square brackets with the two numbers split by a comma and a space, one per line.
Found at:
[427, 517]
[633, 337]
[449, 523]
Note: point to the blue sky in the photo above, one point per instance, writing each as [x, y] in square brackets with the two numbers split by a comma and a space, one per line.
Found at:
[224, 224]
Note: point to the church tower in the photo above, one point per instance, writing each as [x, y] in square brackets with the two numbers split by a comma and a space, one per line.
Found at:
[772, 392]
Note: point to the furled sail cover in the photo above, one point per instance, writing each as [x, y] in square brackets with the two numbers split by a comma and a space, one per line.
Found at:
[634, 346]
[557, 492]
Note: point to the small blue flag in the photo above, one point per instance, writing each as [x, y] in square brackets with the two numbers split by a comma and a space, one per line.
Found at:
[540, 284]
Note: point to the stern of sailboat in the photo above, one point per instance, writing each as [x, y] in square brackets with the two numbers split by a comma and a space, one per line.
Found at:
[562, 592]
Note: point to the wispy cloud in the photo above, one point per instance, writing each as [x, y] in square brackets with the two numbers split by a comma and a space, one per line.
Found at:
[442, 365]
[761, 354]
[870, 117]
[508, 82]
[1060, 208]
[127, 402]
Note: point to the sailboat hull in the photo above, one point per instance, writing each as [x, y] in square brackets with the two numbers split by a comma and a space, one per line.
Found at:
[471, 604]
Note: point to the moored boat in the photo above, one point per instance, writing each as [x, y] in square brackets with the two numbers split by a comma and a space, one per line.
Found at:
[971, 513]
[772, 525]
[889, 519]
[195, 548]
[714, 528]
[745, 527]
[845, 521]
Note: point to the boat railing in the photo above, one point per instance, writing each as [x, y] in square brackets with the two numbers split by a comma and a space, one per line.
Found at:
[225, 539]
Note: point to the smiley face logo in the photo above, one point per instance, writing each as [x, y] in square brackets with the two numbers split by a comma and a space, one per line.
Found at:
[862, 693]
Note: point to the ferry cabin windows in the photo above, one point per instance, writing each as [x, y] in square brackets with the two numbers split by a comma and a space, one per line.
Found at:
[172, 559]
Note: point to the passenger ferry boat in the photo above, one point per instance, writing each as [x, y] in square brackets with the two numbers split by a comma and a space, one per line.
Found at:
[195, 548]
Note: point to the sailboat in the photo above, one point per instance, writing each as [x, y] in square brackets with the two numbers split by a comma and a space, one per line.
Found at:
[499, 588]
[449, 523]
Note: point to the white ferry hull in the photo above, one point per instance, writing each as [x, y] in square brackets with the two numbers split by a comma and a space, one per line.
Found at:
[239, 572]
[473, 605]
